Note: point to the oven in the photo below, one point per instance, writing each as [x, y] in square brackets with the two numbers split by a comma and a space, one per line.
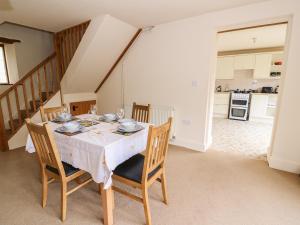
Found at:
[238, 113]
[239, 106]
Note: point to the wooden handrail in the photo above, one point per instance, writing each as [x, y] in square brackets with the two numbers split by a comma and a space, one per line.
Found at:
[36, 68]
[39, 85]
[119, 59]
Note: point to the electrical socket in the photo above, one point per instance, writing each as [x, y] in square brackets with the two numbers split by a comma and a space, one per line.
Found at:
[187, 122]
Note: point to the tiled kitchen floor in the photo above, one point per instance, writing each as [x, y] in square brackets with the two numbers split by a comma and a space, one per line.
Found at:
[243, 137]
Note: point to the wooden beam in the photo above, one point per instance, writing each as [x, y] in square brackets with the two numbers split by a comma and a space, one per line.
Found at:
[119, 59]
[25, 26]
[252, 27]
[251, 51]
[8, 40]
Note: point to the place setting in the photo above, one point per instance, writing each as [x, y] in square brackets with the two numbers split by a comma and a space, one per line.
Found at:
[126, 127]
[72, 125]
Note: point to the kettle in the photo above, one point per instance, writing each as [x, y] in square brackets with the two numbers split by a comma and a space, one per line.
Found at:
[219, 88]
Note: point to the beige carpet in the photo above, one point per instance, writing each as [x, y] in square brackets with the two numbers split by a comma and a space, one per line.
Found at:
[212, 188]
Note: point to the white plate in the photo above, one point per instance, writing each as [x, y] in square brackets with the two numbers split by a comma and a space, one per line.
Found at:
[62, 120]
[126, 120]
[64, 130]
[138, 127]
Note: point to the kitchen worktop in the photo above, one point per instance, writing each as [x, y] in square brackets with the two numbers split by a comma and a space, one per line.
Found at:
[253, 93]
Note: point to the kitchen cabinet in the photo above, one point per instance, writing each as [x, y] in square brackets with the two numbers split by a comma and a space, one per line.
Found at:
[244, 62]
[221, 104]
[259, 104]
[225, 67]
[263, 106]
[262, 67]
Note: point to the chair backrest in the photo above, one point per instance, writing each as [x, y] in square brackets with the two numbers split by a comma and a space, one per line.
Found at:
[49, 114]
[157, 146]
[45, 146]
[141, 113]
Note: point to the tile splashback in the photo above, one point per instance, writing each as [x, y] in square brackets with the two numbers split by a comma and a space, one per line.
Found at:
[243, 79]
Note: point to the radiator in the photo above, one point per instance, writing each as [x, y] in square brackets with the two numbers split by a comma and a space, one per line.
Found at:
[158, 116]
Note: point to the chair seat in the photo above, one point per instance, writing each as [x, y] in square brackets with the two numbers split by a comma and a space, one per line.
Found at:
[132, 169]
[69, 169]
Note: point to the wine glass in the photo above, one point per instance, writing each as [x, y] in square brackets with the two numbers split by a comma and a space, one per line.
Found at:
[93, 111]
[65, 111]
[121, 113]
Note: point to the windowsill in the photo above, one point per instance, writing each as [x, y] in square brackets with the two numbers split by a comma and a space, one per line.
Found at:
[6, 84]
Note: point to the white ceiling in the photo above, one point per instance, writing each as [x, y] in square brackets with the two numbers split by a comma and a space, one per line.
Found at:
[54, 15]
[269, 36]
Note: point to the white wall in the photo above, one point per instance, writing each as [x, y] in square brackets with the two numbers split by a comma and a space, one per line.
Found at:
[34, 47]
[175, 65]
[103, 42]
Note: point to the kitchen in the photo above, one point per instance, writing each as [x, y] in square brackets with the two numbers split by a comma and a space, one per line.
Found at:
[249, 70]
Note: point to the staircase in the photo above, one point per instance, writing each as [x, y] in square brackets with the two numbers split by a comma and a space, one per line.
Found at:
[36, 88]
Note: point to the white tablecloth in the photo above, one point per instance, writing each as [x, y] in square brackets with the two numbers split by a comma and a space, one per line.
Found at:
[98, 151]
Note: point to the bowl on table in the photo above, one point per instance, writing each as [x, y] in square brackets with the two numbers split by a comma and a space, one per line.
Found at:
[110, 117]
[71, 127]
[128, 125]
[126, 120]
[64, 117]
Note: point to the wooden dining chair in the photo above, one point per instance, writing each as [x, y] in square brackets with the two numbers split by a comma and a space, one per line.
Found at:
[49, 114]
[142, 171]
[141, 113]
[51, 166]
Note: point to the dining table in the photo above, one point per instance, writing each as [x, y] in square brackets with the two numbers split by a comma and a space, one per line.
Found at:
[98, 149]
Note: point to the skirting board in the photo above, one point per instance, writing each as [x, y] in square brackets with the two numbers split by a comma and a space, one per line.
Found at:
[285, 165]
[196, 146]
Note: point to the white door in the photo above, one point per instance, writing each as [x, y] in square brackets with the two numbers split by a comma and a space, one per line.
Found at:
[225, 67]
[263, 64]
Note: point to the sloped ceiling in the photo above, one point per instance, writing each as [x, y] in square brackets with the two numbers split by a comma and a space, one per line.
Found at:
[54, 15]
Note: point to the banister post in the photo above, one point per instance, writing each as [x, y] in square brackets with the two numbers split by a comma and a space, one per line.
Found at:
[3, 138]
[58, 56]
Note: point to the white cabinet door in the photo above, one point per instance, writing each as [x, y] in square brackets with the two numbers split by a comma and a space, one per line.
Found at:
[221, 105]
[225, 68]
[244, 62]
[259, 104]
[263, 64]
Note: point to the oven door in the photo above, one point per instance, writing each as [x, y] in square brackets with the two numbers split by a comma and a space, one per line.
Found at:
[238, 113]
[240, 102]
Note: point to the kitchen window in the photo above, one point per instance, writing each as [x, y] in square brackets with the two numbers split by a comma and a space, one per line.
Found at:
[3, 67]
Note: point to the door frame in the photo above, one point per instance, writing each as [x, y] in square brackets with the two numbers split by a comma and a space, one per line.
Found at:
[212, 76]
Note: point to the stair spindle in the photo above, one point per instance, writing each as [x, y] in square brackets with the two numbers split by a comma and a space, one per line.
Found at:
[11, 122]
[3, 141]
[32, 93]
[25, 100]
[46, 81]
[18, 105]
[40, 87]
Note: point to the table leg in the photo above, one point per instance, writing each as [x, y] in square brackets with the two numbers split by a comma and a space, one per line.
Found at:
[107, 204]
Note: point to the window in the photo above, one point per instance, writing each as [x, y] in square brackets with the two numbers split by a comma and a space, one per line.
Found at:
[3, 67]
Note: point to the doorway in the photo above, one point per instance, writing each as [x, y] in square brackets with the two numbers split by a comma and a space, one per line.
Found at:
[249, 73]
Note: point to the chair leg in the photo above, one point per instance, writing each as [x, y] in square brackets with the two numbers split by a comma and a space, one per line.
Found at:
[164, 187]
[146, 206]
[45, 189]
[63, 200]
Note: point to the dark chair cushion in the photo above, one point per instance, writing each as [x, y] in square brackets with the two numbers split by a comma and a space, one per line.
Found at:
[132, 169]
[69, 169]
